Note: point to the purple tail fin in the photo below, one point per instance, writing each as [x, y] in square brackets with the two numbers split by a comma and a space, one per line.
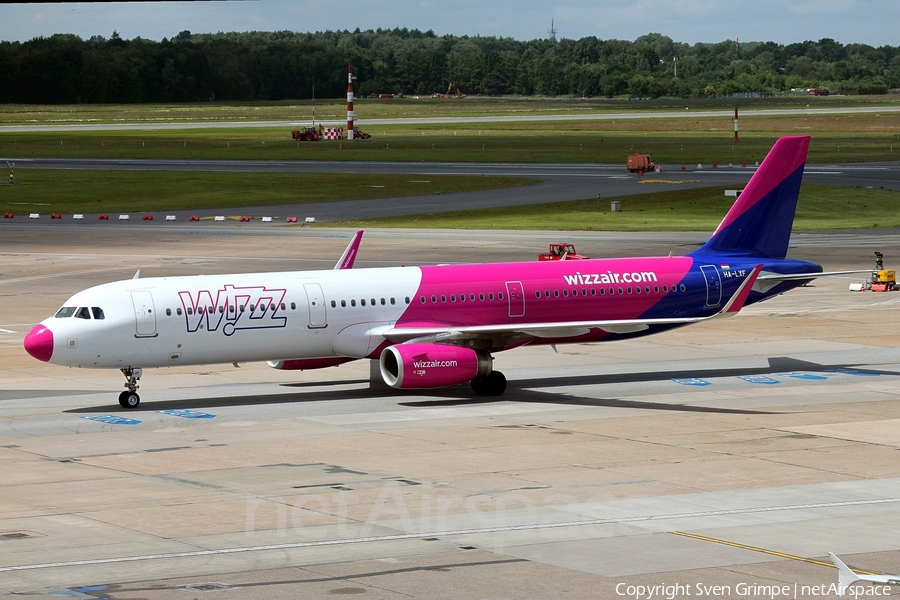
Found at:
[759, 223]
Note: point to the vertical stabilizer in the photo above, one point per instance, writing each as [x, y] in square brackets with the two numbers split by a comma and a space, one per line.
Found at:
[846, 577]
[759, 223]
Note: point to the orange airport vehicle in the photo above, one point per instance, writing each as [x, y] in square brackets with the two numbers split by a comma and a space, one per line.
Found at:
[561, 252]
[640, 163]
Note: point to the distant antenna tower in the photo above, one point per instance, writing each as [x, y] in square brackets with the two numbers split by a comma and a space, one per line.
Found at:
[552, 32]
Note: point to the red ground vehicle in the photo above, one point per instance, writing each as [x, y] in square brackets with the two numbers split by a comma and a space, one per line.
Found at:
[640, 163]
[558, 251]
[309, 134]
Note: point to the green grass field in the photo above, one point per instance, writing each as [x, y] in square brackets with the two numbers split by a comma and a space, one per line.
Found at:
[73, 191]
[514, 143]
[677, 140]
[672, 141]
[820, 207]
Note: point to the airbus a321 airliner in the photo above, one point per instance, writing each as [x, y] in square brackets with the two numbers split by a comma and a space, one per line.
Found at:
[434, 326]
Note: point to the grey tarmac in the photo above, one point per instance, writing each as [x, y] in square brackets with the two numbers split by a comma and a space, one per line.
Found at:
[715, 455]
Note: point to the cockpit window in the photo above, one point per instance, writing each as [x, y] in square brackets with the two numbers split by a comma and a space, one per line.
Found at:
[65, 312]
[97, 312]
[83, 313]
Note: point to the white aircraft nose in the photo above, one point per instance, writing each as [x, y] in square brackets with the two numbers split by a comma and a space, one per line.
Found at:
[39, 343]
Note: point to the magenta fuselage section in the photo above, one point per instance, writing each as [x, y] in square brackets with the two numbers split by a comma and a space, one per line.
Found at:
[546, 292]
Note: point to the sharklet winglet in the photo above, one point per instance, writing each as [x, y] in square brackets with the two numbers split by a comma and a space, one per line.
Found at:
[349, 256]
[739, 298]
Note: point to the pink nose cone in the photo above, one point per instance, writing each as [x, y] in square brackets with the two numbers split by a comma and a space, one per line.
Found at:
[39, 343]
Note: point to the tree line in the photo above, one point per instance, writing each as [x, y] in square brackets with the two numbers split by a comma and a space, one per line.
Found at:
[271, 66]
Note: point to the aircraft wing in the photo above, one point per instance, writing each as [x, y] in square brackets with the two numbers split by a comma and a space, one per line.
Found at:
[437, 333]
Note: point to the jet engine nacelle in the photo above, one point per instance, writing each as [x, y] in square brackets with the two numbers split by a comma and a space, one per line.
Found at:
[304, 364]
[418, 366]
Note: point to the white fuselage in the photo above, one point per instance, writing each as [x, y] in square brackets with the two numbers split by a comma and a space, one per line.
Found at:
[168, 321]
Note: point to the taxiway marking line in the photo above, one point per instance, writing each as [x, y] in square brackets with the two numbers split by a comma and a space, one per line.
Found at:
[456, 532]
[765, 551]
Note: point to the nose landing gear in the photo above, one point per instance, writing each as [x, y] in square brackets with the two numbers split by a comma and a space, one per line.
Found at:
[130, 398]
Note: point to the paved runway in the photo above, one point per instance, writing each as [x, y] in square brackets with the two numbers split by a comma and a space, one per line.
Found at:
[733, 453]
[446, 120]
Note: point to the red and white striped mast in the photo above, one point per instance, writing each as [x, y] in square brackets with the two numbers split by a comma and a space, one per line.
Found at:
[349, 101]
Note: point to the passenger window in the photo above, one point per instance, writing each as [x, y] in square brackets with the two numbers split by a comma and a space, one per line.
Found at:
[537, 293]
[293, 306]
[343, 304]
[472, 297]
[382, 301]
[593, 291]
[373, 301]
[637, 289]
[546, 293]
[443, 298]
[178, 311]
[333, 304]
[407, 299]
[491, 296]
[462, 297]
[352, 302]
[65, 312]
[683, 288]
[98, 312]
[452, 297]
[393, 301]
[221, 310]
[190, 311]
[481, 296]
[500, 295]
[566, 293]
[422, 299]
[83, 313]
[231, 309]
[168, 312]
[629, 289]
[362, 302]
[556, 293]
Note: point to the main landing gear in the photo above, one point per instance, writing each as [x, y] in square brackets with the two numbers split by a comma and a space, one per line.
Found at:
[129, 398]
[492, 384]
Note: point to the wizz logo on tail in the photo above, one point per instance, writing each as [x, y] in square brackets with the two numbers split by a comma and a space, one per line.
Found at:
[233, 309]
